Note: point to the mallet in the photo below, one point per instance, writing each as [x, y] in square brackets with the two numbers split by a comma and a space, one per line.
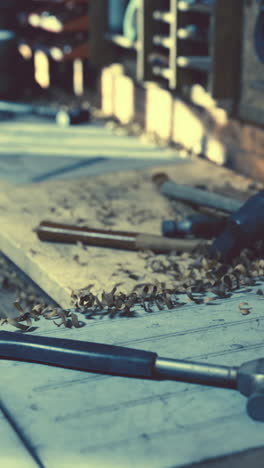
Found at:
[248, 379]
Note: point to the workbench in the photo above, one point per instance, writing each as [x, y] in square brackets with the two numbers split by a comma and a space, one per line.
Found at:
[54, 417]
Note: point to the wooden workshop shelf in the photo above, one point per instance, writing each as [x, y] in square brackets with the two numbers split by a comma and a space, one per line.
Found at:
[121, 41]
[59, 49]
[165, 16]
[58, 19]
[198, 7]
[179, 44]
[55, 33]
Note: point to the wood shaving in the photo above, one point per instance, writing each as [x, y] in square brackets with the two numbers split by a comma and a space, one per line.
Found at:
[193, 275]
[162, 282]
[29, 304]
[244, 308]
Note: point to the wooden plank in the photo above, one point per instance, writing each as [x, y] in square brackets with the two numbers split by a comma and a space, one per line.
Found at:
[152, 424]
[159, 102]
[13, 451]
[125, 99]
[37, 137]
[107, 200]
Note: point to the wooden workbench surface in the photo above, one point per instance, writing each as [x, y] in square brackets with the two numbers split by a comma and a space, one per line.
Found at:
[65, 418]
[73, 418]
[121, 201]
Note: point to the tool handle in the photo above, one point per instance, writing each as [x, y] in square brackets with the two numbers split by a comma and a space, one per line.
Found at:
[197, 225]
[161, 244]
[55, 232]
[74, 354]
[199, 197]
[61, 228]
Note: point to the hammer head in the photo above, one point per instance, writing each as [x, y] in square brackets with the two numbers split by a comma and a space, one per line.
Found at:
[250, 382]
[243, 228]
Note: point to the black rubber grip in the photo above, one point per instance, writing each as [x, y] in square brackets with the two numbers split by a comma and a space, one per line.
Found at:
[74, 354]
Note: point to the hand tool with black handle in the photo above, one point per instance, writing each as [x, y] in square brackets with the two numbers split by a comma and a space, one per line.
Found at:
[248, 379]
[243, 229]
[197, 225]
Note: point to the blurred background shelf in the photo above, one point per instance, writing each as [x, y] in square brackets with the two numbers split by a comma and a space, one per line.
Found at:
[197, 39]
[120, 41]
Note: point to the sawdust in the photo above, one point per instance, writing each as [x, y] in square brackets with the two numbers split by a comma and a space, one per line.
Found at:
[28, 305]
[118, 284]
[194, 276]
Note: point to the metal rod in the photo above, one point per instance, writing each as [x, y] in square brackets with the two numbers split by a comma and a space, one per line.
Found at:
[194, 372]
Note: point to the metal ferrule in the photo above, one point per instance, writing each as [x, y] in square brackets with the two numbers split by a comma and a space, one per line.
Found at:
[194, 372]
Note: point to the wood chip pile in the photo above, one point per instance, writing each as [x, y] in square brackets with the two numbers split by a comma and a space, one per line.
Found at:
[25, 305]
[105, 283]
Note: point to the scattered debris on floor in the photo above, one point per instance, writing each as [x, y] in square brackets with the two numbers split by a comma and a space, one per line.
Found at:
[194, 277]
[105, 283]
[244, 308]
[28, 305]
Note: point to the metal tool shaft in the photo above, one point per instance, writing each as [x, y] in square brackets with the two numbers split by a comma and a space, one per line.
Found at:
[248, 378]
[197, 373]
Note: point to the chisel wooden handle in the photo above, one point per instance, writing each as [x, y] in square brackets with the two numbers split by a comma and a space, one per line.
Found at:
[161, 244]
[55, 232]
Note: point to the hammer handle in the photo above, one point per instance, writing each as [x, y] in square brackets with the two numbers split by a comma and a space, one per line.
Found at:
[111, 359]
[199, 197]
[75, 354]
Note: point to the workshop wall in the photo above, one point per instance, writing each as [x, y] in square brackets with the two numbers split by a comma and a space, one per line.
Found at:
[199, 65]
[189, 71]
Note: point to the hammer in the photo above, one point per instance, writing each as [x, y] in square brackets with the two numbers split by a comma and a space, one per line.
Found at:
[240, 230]
[243, 228]
[248, 378]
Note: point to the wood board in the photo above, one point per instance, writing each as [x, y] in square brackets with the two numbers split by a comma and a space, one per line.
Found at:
[85, 419]
[123, 201]
[13, 451]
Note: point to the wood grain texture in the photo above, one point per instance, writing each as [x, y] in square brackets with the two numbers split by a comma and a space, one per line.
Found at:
[13, 452]
[85, 419]
[123, 201]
